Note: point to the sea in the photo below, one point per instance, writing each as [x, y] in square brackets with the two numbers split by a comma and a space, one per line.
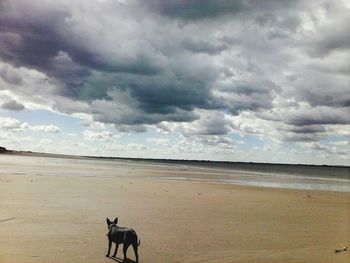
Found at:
[307, 177]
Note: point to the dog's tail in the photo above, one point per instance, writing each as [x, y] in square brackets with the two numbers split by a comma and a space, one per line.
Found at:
[139, 243]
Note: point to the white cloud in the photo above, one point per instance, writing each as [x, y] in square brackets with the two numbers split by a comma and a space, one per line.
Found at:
[45, 128]
[10, 124]
[104, 136]
[14, 125]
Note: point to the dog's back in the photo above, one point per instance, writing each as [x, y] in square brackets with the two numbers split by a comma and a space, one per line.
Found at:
[122, 235]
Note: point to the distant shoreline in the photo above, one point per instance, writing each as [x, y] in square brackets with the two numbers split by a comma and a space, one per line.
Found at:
[310, 177]
[219, 164]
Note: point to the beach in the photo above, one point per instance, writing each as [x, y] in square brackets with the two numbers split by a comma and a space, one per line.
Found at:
[57, 217]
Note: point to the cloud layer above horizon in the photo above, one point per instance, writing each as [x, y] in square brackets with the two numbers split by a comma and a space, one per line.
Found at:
[207, 70]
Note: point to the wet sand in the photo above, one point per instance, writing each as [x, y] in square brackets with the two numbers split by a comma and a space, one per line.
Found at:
[62, 219]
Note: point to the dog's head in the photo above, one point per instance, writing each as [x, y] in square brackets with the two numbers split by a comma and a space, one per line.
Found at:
[111, 224]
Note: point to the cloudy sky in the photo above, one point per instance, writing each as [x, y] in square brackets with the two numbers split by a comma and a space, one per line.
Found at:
[244, 80]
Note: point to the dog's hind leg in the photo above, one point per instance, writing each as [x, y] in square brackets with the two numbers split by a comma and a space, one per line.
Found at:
[134, 245]
[125, 248]
[116, 250]
[109, 247]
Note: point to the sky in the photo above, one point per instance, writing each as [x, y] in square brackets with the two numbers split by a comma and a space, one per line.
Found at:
[244, 80]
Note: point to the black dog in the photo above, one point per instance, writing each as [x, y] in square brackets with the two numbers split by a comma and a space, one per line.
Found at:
[121, 235]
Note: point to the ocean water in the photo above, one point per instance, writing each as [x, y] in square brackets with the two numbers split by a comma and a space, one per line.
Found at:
[306, 177]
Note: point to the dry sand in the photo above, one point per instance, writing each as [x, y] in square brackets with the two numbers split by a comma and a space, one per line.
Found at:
[62, 219]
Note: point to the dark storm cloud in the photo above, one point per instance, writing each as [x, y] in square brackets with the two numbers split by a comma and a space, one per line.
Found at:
[307, 124]
[8, 76]
[308, 129]
[194, 9]
[139, 63]
[201, 46]
[327, 98]
[12, 105]
[338, 40]
[32, 39]
[316, 118]
[171, 94]
[125, 117]
[248, 88]
[292, 137]
[257, 95]
[44, 39]
[320, 88]
[306, 133]
[200, 9]
[132, 128]
[209, 123]
[334, 36]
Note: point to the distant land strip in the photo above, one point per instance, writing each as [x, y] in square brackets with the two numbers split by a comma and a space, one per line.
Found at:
[342, 170]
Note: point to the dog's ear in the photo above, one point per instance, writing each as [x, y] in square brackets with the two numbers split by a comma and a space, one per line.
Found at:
[108, 221]
[116, 221]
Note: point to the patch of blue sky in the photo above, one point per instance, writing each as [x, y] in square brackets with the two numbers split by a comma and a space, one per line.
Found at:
[333, 138]
[67, 124]
[251, 141]
[236, 137]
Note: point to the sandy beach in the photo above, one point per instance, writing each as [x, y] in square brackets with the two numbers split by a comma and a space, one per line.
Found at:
[62, 219]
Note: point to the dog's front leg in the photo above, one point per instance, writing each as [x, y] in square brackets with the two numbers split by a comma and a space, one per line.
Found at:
[109, 247]
[116, 250]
